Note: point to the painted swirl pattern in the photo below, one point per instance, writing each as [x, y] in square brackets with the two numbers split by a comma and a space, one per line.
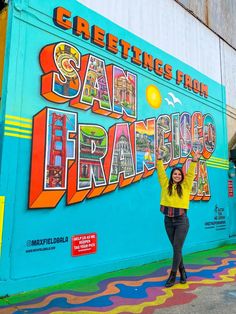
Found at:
[143, 293]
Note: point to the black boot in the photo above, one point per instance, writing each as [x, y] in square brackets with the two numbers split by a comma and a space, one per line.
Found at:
[171, 280]
[183, 275]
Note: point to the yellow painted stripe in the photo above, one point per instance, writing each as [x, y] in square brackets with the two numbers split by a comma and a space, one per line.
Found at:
[18, 118]
[2, 204]
[218, 163]
[7, 128]
[217, 158]
[24, 125]
[17, 135]
[215, 166]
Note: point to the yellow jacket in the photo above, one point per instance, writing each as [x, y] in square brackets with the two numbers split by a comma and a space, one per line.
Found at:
[174, 200]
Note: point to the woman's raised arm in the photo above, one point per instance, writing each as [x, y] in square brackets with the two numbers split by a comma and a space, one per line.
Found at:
[161, 173]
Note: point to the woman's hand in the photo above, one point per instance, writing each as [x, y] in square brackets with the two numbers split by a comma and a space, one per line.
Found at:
[196, 156]
[158, 154]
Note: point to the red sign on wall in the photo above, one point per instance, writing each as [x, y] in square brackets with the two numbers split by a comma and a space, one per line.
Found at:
[230, 188]
[84, 244]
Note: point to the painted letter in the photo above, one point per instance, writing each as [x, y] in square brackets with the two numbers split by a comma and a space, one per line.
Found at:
[122, 163]
[95, 91]
[123, 92]
[60, 64]
[144, 147]
[163, 126]
[52, 149]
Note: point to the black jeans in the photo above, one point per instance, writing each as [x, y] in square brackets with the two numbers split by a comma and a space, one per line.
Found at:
[177, 229]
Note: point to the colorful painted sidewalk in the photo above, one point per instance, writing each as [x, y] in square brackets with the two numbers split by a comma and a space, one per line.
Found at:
[134, 290]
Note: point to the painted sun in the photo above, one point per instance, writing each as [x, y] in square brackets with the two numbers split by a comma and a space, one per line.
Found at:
[153, 96]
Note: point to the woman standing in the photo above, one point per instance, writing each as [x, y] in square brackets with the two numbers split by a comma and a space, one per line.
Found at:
[174, 204]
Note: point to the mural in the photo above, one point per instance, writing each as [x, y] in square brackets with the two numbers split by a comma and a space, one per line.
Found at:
[114, 157]
[92, 103]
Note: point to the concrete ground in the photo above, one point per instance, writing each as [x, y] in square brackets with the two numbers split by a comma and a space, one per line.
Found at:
[211, 288]
[215, 300]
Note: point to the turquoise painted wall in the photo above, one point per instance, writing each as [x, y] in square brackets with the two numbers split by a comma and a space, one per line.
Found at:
[127, 221]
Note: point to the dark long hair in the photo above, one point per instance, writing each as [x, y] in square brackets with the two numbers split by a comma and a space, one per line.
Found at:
[178, 185]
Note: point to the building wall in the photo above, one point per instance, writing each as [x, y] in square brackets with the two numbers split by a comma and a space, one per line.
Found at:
[166, 24]
[218, 15]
